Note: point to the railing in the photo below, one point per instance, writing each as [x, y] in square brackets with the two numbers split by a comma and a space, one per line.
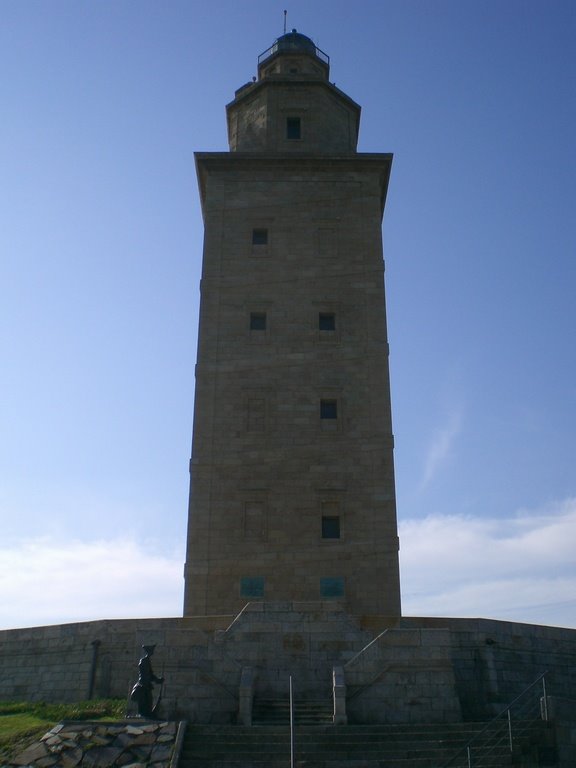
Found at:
[285, 47]
[339, 716]
[356, 690]
[292, 761]
[506, 732]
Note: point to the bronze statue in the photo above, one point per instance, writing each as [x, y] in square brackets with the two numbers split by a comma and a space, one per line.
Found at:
[142, 690]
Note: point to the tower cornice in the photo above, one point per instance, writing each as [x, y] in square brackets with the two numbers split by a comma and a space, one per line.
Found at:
[242, 162]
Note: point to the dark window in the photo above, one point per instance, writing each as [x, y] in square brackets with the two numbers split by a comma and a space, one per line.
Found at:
[328, 409]
[257, 321]
[252, 586]
[259, 237]
[293, 129]
[330, 527]
[326, 321]
[332, 586]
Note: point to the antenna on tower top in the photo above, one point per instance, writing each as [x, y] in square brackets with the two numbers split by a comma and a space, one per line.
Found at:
[285, 14]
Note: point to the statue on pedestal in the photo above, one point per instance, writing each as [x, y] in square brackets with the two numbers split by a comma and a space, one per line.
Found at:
[142, 690]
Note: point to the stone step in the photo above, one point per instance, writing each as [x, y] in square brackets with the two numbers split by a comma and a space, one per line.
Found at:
[339, 763]
[387, 730]
[323, 746]
[305, 713]
[327, 742]
[384, 746]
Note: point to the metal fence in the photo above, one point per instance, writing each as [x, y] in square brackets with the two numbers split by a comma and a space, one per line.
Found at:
[508, 733]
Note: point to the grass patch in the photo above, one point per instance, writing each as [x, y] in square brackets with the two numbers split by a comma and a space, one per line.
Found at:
[22, 722]
[18, 730]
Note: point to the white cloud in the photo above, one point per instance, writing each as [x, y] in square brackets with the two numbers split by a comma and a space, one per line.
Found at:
[440, 448]
[44, 581]
[521, 568]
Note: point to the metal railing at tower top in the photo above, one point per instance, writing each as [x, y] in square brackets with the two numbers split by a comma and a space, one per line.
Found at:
[285, 46]
[507, 732]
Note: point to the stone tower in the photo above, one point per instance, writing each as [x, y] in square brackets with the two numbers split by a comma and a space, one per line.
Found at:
[292, 477]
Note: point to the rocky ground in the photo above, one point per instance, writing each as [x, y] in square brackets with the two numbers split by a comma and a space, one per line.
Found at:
[126, 744]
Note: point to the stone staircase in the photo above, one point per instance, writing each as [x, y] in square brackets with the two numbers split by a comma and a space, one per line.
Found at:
[277, 712]
[329, 746]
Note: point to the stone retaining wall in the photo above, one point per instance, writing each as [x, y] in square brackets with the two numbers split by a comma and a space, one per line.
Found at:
[484, 663]
[494, 661]
[404, 676]
[562, 712]
[99, 659]
[132, 744]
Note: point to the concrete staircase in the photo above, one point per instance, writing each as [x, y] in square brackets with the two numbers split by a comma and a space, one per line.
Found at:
[328, 746]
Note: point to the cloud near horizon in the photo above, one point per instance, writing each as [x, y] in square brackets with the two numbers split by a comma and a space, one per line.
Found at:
[521, 568]
[48, 581]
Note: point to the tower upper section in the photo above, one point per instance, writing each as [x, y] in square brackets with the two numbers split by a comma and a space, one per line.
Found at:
[292, 108]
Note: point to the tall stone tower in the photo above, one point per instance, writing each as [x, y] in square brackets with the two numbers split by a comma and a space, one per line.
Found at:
[292, 479]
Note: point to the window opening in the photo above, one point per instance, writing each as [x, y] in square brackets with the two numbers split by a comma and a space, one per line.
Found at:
[259, 237]
[326, 321]
[332, 586]
[328, 409]
[257, 321]
[330, 527]
[293, 128]
[252, 586]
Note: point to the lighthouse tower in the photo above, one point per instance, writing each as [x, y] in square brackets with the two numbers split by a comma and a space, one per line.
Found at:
[292, 480]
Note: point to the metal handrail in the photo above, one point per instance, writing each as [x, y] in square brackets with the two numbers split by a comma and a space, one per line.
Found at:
[466, 750]
[356, 690]
[292, 762]
[285, 47]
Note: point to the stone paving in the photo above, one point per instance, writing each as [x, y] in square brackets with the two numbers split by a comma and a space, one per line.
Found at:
[130, 744]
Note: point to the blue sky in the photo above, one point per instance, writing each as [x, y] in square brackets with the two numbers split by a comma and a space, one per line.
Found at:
[103, 105]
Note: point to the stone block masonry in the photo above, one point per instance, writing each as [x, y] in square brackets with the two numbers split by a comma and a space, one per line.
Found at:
[102, 745]
[292, 424]
[59, 663]
[437, 670]
[494, 661]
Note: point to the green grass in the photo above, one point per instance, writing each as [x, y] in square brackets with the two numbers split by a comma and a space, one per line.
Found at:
[21, 722]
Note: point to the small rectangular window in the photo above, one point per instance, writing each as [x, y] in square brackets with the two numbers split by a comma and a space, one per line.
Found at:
[332, 586]
[293, 128]
[257, 321]
[328, 409]
[326, 321]
[330, 527]
[252, 586]
[259, 237]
